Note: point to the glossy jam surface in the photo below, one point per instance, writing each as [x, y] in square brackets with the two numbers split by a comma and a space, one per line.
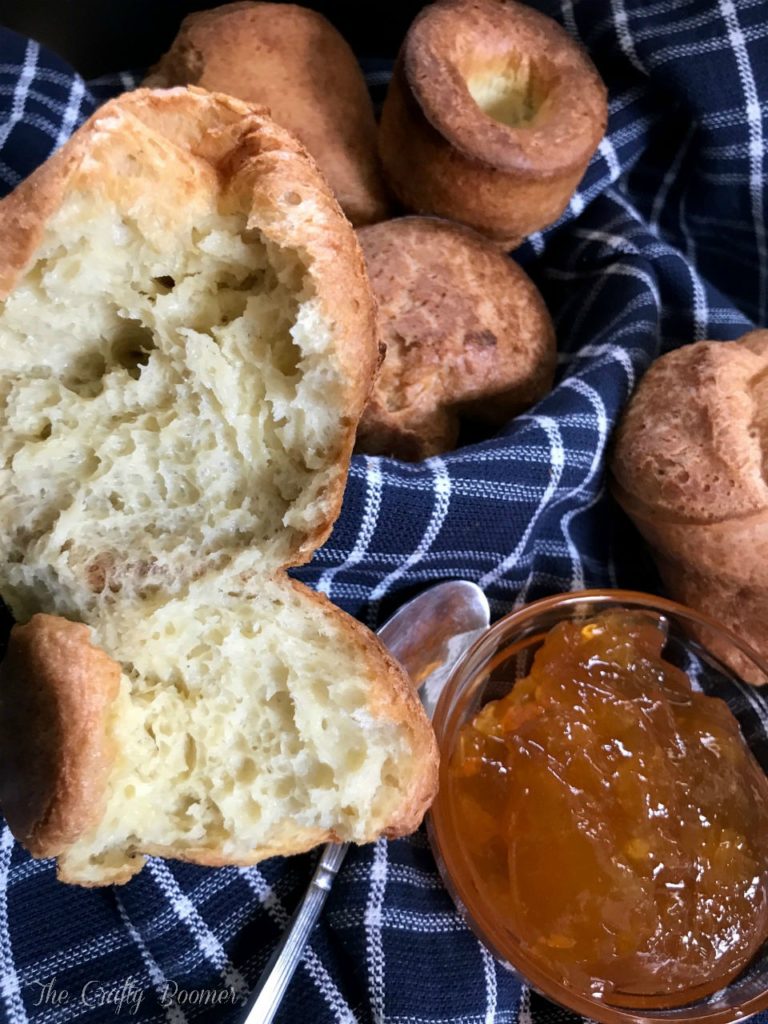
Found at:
[614, 821]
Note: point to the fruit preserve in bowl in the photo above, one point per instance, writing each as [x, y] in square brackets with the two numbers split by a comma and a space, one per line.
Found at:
[602, 817]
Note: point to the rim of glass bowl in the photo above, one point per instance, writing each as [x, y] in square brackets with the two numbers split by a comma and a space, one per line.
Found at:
[466, 678]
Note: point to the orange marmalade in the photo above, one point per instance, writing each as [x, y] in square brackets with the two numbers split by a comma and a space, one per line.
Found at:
[614, 821]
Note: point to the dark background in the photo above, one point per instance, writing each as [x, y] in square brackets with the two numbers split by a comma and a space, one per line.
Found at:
[98, 36]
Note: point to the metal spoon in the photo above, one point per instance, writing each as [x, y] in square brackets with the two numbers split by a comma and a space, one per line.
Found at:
[427, 635]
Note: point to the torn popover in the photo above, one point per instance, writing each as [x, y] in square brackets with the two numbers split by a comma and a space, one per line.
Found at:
[187, 341]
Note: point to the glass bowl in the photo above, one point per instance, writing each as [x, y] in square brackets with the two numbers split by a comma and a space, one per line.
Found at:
[716, 661]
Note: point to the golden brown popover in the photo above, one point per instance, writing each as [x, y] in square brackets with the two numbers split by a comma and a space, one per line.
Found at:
[491, 117]
[689, 468]
[293, 61]
[466, 333]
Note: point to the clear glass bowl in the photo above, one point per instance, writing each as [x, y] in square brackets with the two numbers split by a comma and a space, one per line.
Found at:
[716, 661]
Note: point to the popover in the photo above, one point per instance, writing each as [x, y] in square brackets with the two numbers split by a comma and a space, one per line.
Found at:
[293, 61]
[491, 117]
[466, 334]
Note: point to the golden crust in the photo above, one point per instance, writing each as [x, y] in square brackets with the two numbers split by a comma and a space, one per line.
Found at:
[121, 877]
[689, 468]
[465, 330]
[295, 62]
[698, 457]
[443, 154]
[56, 691]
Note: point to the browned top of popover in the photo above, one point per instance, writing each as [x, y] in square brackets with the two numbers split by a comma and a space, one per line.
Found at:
[56, 693]
[693, 443]
[454, 42]
[293, 60]
[464, 327]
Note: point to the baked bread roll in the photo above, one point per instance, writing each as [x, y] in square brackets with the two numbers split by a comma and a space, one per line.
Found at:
[187, 340]
[186, 343]
[295, 62]
[223, 727]
[466, 334]
[491, 117]
[689, 469]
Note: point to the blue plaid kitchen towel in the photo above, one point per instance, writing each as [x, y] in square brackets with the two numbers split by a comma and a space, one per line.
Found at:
[663, 243]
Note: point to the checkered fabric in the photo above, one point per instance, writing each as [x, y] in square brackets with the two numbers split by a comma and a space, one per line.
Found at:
[663, 243]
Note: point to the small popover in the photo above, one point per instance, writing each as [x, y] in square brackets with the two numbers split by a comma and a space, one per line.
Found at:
[293, 61]
[689, 469]
[466, 334]
[491, 117]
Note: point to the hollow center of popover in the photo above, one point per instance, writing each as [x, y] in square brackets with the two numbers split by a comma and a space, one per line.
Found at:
[511, 91]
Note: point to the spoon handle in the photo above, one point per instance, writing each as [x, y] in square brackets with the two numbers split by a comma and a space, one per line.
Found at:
[266, 998]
